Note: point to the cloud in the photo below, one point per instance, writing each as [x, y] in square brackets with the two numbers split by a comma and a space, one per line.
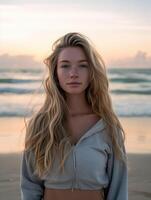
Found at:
[141, 59]
[19, 61]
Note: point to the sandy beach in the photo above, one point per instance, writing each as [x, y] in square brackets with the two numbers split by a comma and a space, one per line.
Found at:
[139, 176]
[138, 140]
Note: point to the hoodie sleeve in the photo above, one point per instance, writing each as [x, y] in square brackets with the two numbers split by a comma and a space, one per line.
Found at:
[118, 178]
[32, 187]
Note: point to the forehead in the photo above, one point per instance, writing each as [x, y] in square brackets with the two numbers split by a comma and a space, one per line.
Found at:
[72, 53]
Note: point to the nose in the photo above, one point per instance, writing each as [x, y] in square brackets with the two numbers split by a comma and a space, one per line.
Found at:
[73, 72]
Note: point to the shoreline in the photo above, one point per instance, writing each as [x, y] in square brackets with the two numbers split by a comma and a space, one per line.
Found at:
[137, 132]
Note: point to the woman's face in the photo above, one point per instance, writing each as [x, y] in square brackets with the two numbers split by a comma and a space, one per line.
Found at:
[72, 66]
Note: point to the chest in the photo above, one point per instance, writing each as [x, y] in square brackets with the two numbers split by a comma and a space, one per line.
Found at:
[84, 167]
[78, 126]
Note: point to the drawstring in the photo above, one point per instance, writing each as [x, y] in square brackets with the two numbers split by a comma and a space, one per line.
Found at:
[102, 194]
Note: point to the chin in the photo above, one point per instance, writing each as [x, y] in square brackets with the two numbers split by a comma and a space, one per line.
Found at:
[75, 91]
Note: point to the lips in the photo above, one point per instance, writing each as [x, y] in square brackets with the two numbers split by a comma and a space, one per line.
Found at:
[74, 83]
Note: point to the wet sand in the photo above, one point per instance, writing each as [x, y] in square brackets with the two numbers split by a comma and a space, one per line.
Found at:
[138, 134]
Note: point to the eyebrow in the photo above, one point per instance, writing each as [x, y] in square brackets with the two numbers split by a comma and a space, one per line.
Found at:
[69, 61]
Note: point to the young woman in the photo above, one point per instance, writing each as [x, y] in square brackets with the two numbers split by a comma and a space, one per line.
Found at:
[74, 145]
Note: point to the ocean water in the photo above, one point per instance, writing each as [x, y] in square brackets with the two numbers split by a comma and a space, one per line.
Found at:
[21, 91]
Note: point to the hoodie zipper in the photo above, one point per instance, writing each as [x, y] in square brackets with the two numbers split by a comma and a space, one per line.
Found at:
[74, 156]
[74, 167]
[74, 162]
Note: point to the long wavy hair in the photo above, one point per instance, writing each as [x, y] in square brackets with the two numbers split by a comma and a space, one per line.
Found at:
[45, 132]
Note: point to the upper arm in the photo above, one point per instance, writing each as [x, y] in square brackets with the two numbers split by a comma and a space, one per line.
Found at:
[31, 186]
[118, 178]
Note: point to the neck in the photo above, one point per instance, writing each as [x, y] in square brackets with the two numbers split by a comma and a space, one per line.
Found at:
[78, 105]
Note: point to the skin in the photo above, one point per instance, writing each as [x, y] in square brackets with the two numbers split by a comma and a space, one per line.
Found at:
[73, 69]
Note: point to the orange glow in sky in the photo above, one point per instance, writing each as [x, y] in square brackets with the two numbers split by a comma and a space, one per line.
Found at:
[32, 28]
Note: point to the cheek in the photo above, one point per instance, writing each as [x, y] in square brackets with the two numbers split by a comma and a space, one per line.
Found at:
[61, 76]
[87, 76]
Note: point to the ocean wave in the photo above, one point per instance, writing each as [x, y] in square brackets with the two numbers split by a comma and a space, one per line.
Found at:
[12, 80]
[121, 71]
[20, 91]
[21, 70]
[129, 92]
[24, 113]
[39, 90]
[129, 80]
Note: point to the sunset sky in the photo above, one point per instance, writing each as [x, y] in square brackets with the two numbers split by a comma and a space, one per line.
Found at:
[120, 30]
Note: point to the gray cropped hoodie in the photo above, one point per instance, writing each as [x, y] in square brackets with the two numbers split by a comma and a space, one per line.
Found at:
[91, 165]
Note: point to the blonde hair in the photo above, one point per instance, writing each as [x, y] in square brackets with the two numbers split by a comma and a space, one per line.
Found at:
[45, 132]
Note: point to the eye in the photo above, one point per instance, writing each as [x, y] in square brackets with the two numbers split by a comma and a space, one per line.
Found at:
[83, 65]
[64, 66]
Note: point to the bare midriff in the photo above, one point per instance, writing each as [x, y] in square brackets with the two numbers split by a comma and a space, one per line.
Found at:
[76, 194]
